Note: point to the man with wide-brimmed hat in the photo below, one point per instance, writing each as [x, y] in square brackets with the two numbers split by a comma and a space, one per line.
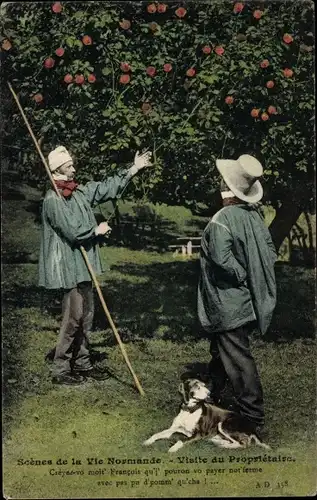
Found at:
[67, 224]
[237, 288]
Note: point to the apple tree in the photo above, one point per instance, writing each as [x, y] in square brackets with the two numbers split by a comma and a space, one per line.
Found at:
[193, 81]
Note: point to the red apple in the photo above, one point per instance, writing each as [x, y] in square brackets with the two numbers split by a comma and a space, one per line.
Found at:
[68, 78]
[87, 40]
[287, 38]
[124, 79]
[57, 7]
[124, 66]
[167, 67]
[219, 50]
[91, 78]
[181, 12]
[255, 112]
[238, 7]
[288, 72]
[49, 63]
[151, 8]
[6, 44]
[79, 79]
[264, 117]
[191, 72]
[257, 14]
[229, 99]
[59, 52]
[125, 24]
[272, 110]
[38, 98]
[270, 84]
[161, 8]
[206, 49]
[265, 63]
[150, 70]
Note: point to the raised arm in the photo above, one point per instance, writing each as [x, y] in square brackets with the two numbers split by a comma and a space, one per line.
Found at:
[111, 188]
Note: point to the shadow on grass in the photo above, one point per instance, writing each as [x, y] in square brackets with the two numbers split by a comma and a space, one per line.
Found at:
[13, 345]
[293, 317]
[137, 235]
[196, 369]
[95, 356]
[162, 304]
[151, 231]
[18, 296]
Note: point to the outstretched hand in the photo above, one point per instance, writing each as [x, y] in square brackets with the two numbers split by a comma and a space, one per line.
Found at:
[143, 160]
[103, 229]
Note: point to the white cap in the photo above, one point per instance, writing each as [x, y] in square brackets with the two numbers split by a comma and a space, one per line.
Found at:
[58, 157]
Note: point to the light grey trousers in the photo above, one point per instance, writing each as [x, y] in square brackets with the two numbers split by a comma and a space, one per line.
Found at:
[72, 349]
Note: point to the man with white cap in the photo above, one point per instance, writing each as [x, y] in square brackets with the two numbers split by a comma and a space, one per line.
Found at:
[237, 289]
[68, 223]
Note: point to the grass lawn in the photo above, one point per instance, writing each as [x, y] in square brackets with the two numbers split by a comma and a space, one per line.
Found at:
[152, 298]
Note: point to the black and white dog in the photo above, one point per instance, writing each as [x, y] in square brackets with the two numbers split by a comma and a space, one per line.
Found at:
[199, 418]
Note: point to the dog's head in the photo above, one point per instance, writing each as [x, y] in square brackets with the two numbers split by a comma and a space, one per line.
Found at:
[194, 389]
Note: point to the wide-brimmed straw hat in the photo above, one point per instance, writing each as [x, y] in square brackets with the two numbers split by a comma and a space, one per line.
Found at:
[241, 176]
[58, 157]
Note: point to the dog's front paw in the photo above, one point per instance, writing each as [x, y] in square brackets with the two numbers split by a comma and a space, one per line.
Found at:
[176, 447]
[147, 442]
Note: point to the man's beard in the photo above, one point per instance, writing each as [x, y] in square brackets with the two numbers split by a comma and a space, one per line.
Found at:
[63, 177]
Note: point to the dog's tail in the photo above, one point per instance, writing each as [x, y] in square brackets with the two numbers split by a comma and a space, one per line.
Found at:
[253, 437]
[259, 442]
[228, 437]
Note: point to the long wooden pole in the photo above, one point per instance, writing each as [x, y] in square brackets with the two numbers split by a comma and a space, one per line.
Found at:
[83, 251]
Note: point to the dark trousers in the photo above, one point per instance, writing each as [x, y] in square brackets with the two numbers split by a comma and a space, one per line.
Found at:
[72, 350]
[233, 360]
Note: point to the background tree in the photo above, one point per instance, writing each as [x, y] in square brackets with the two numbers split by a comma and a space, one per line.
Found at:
[193, 81]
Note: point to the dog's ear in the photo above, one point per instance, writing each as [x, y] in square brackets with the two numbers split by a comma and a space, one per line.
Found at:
[181, 389]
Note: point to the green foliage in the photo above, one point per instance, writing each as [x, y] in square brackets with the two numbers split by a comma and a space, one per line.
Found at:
[184, 119]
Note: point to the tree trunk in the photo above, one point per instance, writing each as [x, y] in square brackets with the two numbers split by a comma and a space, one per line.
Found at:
[285, 218]
[310, 232]
[116, 219]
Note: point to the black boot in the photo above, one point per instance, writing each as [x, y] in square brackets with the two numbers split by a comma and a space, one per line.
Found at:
[93, 373]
